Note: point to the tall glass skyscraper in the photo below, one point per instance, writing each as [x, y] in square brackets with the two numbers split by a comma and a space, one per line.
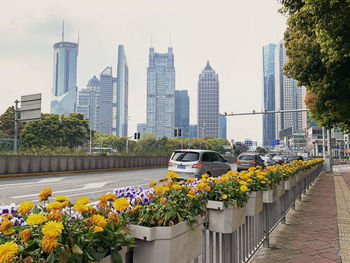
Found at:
[64, 91]
[288, 95]
[122, 93]
[161, 93]
[223, 127]
[182, 112]
[208, 103]
[269, 131]
[108, 102]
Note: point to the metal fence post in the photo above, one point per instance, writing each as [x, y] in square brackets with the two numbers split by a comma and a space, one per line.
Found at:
[266, 226]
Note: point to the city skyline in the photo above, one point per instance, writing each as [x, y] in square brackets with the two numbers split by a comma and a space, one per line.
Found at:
[30, 35]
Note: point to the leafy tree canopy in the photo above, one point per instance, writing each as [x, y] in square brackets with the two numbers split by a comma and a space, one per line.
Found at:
[318, 48]
[7, 123]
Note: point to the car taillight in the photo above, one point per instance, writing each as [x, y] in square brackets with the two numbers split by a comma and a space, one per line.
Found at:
[170, 164]
[254, 163]
[237, 161]
[197, 165]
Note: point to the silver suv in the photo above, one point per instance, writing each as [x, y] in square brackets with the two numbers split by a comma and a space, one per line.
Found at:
[189, 163]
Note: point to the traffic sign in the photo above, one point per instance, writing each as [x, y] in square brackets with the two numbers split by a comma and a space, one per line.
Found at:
[238, 143]
[248, 143]
[275, 142]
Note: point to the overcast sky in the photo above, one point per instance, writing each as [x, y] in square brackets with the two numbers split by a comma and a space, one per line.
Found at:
[228, 33]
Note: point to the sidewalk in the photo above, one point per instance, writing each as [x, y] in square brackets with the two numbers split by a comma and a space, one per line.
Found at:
[319, 229]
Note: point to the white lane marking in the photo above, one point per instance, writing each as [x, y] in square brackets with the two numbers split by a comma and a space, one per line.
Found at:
[42, 181]
[86, 186]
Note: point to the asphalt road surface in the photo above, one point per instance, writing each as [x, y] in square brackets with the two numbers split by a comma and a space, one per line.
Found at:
[15, 190]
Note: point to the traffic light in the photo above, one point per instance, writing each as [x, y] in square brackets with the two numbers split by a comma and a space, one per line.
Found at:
[175, 132]
[136, 135]
[179, 132]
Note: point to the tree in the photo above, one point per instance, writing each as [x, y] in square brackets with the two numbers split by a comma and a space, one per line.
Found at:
[56, 131]
[261, 150]
[317, 44]
[7, 123]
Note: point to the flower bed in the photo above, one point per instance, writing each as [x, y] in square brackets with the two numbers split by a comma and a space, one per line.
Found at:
[60, 230]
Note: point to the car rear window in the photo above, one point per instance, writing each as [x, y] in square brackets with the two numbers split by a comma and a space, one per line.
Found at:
[185, 156]
[246, 157]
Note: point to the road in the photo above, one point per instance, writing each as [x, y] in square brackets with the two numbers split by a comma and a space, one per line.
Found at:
[15, 190]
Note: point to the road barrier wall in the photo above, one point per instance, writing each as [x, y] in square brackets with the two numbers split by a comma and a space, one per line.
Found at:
[43, 164]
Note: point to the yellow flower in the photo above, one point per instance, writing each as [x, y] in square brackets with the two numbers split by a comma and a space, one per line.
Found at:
[205, 175]
[207, 188]
[224, 196]
[244, 188]
[7, 251]
[99, 220]
[25, 207]
[176, 186]
[83, 200]
[61, 199]
[263, 182]
[98, 229]
[9, 232]
[136, 207]
[54, 206]
[158, 189]
[162, 201]
[36, 219]
[25, 235]
[45, 194]
[52, 229]
[224, 179]
[113, 218]
[171, 175]
[191, 192]
[190, 180]
[153, 183]
[121, 204]
[5, 225]
[81, 208]
[241, 182]
[169, 184]
[49, 243]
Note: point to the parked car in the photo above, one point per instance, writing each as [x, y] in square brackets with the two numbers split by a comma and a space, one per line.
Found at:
[247, 160]
[189, 163]
[278, 159]
[293, 158]
[268, 161]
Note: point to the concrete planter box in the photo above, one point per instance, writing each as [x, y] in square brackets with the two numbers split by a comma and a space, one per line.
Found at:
[224, 219]
[270, 196]
[281, 188]
[298, 176]
[122, 252]
[255, 203]
[173, 244]
[290, 183]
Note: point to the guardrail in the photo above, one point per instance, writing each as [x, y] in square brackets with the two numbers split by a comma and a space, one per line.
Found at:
[241, 245]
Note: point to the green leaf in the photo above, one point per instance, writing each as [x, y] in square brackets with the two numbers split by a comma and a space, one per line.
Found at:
[51, 258]
[116, 257]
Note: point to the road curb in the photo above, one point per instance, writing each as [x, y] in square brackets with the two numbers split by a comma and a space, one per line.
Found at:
[79, 171]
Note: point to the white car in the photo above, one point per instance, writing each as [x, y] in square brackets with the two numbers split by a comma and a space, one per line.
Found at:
[190, 163]
[268, 161]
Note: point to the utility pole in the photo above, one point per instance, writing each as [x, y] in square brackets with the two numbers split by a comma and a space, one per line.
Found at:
[329, 157]
[16, 126]
[323, 143]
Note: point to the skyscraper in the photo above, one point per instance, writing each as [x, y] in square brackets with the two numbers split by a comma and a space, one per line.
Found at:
[161, 93]
[269, 129]
[208, 103]
[288, 95]
[223, 127]
[182, 112]
[64, 91]
[122, 93]
[108, 102]
[89, 102]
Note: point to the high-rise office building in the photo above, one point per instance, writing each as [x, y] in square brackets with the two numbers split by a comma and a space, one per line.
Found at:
[161, 93]
[182, 112]
[141, 128]
[122, 93]
[208, 103]
[193, 131]
[89, 102]
[64, 91]
[269, 125]
[108, 97]
[288, 95]
[223, 127]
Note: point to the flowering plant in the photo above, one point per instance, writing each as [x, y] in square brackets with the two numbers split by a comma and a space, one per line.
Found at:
[61, 231]
[172, 202]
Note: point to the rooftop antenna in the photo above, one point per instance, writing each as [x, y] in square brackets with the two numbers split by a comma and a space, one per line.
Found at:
[63, 31]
